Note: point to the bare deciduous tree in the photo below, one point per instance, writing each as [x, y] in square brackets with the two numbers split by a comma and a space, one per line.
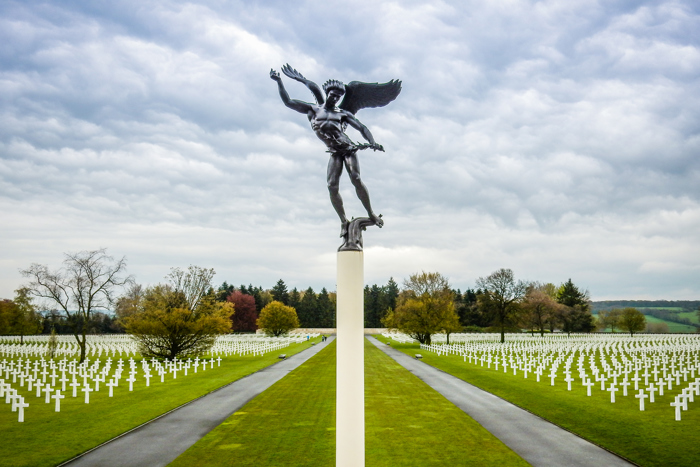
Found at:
[501, 297]
[540, 307]
[87, 282]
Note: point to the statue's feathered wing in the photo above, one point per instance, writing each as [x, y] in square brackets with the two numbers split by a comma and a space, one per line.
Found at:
[359, 95]
[313, 87]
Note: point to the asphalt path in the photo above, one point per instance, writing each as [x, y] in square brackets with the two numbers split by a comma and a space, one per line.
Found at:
[160, 441]
[536, 440]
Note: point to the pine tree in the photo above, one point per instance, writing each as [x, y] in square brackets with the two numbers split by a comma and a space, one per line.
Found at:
[279, 292]
[569, 295]
[391, 294]
[307, 309]
[326, 310]
[373, 306]
[294, 298]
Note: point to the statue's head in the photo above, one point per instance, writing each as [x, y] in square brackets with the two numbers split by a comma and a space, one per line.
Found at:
[334, 88]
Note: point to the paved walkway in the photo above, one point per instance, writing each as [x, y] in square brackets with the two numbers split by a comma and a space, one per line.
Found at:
[160, 441]
[534, 439]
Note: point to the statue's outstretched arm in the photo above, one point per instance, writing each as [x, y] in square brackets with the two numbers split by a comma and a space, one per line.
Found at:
[313, 87]
[364, 131]
[299, 106]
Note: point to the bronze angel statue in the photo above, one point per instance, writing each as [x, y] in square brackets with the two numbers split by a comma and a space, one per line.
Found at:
[329, 121]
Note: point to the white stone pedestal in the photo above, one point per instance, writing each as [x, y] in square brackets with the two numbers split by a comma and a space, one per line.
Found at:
[350, 363]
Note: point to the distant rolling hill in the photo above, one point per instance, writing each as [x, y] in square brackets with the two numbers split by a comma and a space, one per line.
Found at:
[680, 315]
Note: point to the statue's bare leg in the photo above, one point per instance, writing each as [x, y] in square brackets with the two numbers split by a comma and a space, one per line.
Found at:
[335, 170]
[353, 167]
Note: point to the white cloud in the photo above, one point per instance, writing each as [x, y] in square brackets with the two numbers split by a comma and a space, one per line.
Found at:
[555, 138]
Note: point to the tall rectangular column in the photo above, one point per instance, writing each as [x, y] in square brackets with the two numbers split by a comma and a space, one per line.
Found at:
[350, 363]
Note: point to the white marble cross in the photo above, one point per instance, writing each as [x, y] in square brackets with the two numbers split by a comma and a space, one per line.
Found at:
[58, 398]
[75, 385]
[641, 396]
[87, 390]
[661, 385]
[652, 389]
[38, 385]
[21, 405]
[131, 381]
[677, 404]
[602, 380]
[588, 384]
[48, 390]
[63, 381]
[111, 384]
[612, 390]
[636, 380]
[568, 380]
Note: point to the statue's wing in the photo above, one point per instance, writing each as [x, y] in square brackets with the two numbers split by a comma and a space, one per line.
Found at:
[359, 95]
[313, 87]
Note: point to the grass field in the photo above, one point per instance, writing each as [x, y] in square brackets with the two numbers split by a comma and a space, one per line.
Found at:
[672, 327]
[48, 438]
[691, 315]
[649, 438]
[293, 423]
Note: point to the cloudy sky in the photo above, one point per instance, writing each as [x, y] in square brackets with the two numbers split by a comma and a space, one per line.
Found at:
[559, 138]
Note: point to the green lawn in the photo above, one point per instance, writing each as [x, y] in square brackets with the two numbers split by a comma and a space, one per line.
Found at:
[672, 327]
[691, 315]
[293, 423]
[48, 438]
[649, 438]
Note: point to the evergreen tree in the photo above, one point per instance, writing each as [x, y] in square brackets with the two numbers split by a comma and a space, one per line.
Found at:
[391, 295]
[294, 298]
[569, 295]
[326, 310]
[374, 298]
[468, 310]
[279, 292]
[308, 308]
[575, 315]
[224, 291]
[256, 292]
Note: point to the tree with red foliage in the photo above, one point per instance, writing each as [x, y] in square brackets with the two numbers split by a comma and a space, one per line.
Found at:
[245, 314]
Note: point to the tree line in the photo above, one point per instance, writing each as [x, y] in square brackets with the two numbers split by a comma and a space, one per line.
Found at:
[188, 309]
[427, 305]
[686, 305]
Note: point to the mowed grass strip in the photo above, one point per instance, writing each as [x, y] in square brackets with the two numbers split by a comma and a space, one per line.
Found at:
[48, 438]
[408, 423]
[649, 438]
[293, 423]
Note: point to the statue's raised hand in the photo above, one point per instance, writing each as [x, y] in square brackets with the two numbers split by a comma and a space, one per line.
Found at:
[274, 75]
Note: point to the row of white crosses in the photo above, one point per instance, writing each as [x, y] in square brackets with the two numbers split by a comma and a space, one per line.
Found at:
[96, 346]
[49, 378]
[645, 366]
[53, 378]
[124, 345]
[255, 344]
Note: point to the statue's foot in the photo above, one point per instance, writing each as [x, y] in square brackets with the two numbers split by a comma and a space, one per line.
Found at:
[377, 219]
[344, 228]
